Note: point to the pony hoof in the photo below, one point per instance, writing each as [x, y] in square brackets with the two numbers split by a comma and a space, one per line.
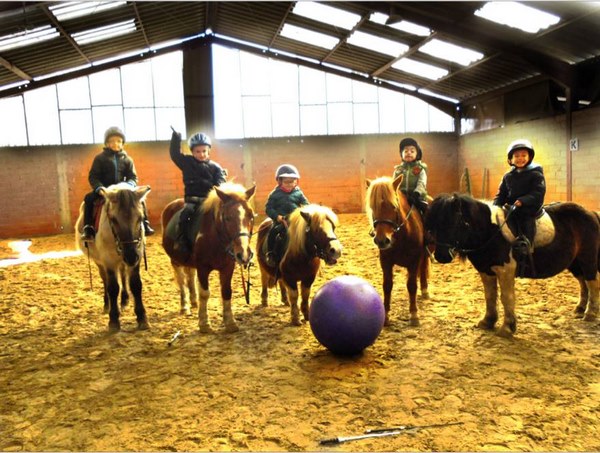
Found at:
[589, 317]
[113, 328]
[185, 312]
[143, 325]
[205, 328]
[414, 322]
[296, 322]
[386, 322]
[483, 324]
[425, 296]
[504, 332]
[232, 328]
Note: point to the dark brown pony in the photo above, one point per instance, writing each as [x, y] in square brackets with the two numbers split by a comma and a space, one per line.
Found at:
[222, 242]
[118, 248]
[399, 234]
[311, 237]
[477, 231]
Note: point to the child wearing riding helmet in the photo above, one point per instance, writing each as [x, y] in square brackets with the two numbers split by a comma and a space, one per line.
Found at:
[414, 170]
[200, 175]
[111, 166]
[523, 187]
[282, 201]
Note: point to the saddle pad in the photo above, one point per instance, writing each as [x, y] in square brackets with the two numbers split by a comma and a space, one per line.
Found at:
[97, 212]
[172, 230]
[544, 227]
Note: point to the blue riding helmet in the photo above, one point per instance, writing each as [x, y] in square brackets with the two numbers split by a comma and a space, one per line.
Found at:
[199, 139]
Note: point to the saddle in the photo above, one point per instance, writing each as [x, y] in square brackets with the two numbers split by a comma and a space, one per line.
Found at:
[544, 227]
[172, 229]
[279, 243]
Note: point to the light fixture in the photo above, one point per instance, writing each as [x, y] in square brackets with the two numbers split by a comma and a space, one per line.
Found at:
[326, 14]
[103, 33]
[450, 52]
[419, 69]
[517, 15]
[27, 37]
[70, 10]
[308, 36]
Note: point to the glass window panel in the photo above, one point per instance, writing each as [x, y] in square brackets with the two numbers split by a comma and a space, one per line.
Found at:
[312, 86]
[286, 119]
[167, 75]
[167, 117]
[12, 118]
[41, 106]
[339, 118]
[417, 115]
[366, 118]
[105, 87]
[227, 93]
[257, 116]
[313, 120]
[391, 111]
[74, 94]
[255, 74]
[440, 121]
[139, 125]
[339, 89]
[105, 117]
[364, 92]
[284, 82]
[76, 126]
[137, 85]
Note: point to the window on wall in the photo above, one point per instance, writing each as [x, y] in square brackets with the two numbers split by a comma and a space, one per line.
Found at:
[260, 97]
[144, 99]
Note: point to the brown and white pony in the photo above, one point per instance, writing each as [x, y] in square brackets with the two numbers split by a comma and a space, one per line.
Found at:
[311, 237]
[222, 242]
[397, 230]
[117, 249]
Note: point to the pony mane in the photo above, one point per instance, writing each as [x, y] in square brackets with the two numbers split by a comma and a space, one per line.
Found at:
[124, 196]
[297, 226]
[213, 202]
[379, 191]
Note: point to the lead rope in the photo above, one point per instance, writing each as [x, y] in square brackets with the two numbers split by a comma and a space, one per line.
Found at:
[246, 283]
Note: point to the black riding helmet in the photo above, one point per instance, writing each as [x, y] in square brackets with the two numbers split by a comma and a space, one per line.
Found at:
[411, 142]
[521, 143]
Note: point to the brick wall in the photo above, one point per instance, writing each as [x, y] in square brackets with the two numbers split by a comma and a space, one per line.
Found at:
[41, 188]
[488, 150]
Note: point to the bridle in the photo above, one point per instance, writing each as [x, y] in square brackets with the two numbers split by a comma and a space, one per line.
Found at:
[228, 242]
[314, 249]
[138, 242]
[396, 227]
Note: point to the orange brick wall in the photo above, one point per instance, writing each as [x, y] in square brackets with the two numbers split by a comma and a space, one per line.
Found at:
[41, 188]
[488, 150]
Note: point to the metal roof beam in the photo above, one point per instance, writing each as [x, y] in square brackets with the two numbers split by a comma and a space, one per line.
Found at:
[63, 32]
[14, 69]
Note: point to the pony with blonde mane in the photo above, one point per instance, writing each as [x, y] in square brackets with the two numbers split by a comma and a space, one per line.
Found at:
[311, 238]
[117, 249]
[222, 242]
[397, 230]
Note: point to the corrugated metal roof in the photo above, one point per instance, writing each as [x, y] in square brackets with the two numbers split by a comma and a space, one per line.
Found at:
[511, 56]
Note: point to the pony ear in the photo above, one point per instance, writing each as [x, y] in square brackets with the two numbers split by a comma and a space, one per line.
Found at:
[396, 183]
[368, 183]
[222, 195]
[250, 192]
[306, 216]
[142, 191]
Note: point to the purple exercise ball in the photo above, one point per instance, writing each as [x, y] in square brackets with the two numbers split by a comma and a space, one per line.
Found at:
[346, 315]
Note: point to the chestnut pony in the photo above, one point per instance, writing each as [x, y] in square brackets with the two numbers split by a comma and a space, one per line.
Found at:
[311, 237]
[397, 230]
[222, 242]
[118, 248]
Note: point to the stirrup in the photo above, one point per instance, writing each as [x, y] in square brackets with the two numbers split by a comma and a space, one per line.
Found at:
[148, 230]
[522, 246]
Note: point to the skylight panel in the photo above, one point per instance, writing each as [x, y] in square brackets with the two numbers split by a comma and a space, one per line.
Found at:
[517, 15]
[451, 52]
[70, 10]
[377, 44]
[419, 69]
[326, 14]
[308, 36]
[106, 32]
[403, 25]
[27, 37]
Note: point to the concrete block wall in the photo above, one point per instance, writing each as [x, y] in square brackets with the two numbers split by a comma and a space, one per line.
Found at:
[41, 188]
[487, 149]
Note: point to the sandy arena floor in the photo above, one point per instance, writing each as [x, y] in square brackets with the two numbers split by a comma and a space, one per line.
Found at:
[66, 384]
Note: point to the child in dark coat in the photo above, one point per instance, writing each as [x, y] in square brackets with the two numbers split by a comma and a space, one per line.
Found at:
[523, 187]
[111, 166]
[200, 175]
[282, 201]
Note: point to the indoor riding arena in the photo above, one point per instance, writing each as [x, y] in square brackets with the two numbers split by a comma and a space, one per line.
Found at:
[236, 71]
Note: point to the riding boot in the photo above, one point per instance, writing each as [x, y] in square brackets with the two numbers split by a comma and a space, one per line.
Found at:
[270, 256]
[182, 245]
[89, 233]
[148, 230]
